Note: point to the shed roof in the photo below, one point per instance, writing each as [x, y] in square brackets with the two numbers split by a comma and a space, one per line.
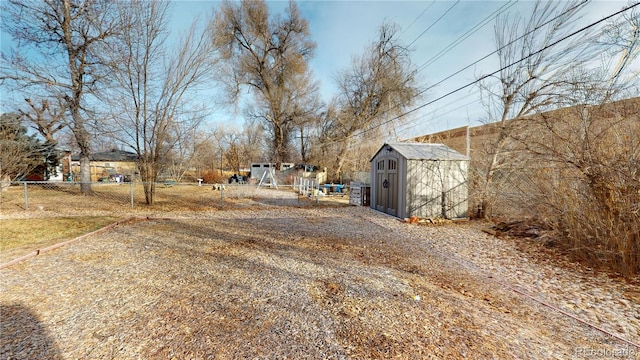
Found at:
[420, 151]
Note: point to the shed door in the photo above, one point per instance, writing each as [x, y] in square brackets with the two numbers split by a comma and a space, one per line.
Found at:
[381, 190]
[387, 185]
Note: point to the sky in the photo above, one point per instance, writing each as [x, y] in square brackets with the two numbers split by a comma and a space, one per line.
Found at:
[343, 29]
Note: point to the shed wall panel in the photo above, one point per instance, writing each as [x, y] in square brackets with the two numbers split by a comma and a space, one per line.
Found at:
[457, 189]
[427, 188]
[436, 189]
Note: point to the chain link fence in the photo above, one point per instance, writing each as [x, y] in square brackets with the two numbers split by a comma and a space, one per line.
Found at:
[67, 198]
[513, 193]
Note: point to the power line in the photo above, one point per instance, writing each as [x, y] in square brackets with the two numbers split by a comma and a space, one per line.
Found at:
[437, 113]
[502, 47]
[497, 71]
[467, 34]
[488, 55]
[418, 17]
[452, 45]
[434, 23]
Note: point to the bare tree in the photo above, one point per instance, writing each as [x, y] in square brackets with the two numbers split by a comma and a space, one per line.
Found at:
[270, 58]
[200, 154]
[588, 189]
[379, 86]
[531, 79]
[232, 147]
[155, 106]
[187, 154]
[621, 38]
[218, 136]
[64, 41]
[46, 118]
[233, 152]
[251, 141]
[569, 158]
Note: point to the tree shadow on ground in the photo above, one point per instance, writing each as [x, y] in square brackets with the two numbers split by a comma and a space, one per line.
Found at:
[23, 336]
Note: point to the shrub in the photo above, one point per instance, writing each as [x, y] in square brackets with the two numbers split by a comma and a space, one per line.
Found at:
[214, 177]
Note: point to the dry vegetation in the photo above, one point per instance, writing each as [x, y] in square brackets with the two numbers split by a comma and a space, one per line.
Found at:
[51, 199]
[274, 282]
[58, 212]
[584, 182]
[21, 236]
[573, 171]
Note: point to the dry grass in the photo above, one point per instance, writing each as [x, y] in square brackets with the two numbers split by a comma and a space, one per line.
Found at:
[53, 199]
[21, 236]
[273, 283]
[58, 211]
[66, 197]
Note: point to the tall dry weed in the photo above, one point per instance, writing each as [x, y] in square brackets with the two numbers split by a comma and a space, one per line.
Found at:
[599, 227]
[582, 178]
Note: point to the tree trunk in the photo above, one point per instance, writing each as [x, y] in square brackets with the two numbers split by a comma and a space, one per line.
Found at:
[149, 191]
[485, 198]
[341, 157]
[83, 141]
[279, 142]
[148, 177]
[303, 153]
[85, 174]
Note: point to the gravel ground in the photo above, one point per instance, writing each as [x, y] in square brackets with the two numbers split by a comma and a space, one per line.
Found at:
[602, 299]
[321, 282]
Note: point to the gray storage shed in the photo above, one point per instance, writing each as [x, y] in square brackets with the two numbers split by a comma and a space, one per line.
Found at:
[419, 179]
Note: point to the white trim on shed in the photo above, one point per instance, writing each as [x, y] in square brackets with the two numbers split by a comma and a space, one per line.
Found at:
[419, 179]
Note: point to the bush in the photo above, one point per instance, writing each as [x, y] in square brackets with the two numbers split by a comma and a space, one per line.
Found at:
[598, 220]
[214, 177]
[579, 174]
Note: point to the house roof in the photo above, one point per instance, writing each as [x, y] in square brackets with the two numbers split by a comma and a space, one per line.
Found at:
[422, 151]
[113, 155]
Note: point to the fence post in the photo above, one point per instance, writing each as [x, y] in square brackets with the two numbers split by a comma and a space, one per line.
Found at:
[131, 192]
[26, 197]
[222, 195]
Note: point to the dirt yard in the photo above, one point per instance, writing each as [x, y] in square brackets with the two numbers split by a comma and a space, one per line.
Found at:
[316, 283]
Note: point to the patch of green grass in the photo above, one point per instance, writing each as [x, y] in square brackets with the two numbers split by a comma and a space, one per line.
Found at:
[36, 233]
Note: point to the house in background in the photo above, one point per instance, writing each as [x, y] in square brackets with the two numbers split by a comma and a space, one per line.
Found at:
[113, 165]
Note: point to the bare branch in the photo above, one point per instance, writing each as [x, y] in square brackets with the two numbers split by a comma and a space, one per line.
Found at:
[154, 108]
[270, 58]
[380, 84]
[64, 40]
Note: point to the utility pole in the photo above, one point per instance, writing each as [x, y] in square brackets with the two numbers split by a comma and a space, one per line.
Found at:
[303, 153]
